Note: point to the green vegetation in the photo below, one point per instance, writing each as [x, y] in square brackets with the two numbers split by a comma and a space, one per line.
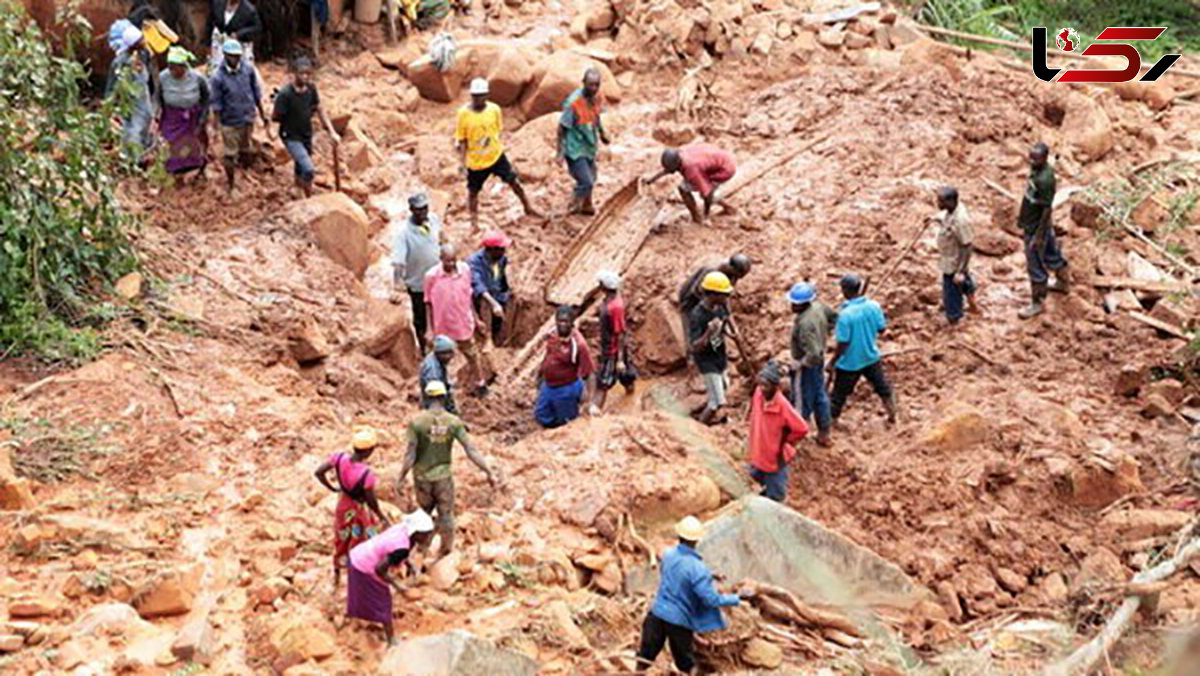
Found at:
[63, 234]
[1013, 19]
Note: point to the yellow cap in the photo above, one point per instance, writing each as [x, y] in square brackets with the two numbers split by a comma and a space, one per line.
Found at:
[364, 438]
[435, 388]
[716, 281]
[690, 529]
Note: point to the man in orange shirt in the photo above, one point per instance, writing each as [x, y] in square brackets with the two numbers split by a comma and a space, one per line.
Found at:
[774, 427]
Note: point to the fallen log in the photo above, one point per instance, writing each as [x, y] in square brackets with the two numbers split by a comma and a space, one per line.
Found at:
[1160, 325]
[1139, 285]
[782, 604]
[1083, 660]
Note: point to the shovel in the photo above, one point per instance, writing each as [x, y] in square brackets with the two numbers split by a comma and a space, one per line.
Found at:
[337, 169]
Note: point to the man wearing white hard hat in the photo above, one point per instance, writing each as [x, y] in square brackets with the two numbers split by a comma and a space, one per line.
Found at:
[615, 363]
[431, 437]
[687, 602]
[477, 135]
[369, 589]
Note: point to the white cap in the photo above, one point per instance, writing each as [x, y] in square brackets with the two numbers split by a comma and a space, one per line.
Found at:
[609, 279]
[479, 86]
[417, 522]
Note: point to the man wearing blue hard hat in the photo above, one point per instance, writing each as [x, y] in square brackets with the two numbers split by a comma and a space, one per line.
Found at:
[810, 331]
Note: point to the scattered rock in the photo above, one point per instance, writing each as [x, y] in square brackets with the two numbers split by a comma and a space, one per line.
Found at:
[303, 635]
[1173, 391]
[1011, 581]
[1101, 568]
[1086, 215]
[960, 427]
[995, 243]
[558, 613]
[1159, 95]
[1157, 406]
[1052, 589]
[1130, 379]
[432, 83]
[307, 343]
[444, 573]
[195, 642]
[609, 580]
[948, 596]
[560, 74]
[1094, 486]
[1139, 524]
[856, 40]
[594, 562]
[109, 618]
[339, 226]
[29, 605]
[130, 286]
[762, 654]
[831, 38]
[928, 53]
[269, 590]
[16, 494]
[11, 643]
[1087, 127]
[1150, 214]
[455, 653]
[660, 340]
[169, 593]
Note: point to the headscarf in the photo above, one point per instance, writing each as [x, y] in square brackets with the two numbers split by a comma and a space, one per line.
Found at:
[177, 55]
[417, 522]
[130, 37]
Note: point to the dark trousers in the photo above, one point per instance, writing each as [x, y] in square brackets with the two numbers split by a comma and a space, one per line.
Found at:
[1041, 263]
[845, 381]
[497, 326]
[420, 322]
[583, 170]
[809, 395]
[953, 295]
[656, 633]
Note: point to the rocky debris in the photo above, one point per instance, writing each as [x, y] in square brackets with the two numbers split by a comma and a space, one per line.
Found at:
[1139, 524]
[558, 75]
[433, 84]
[928, 53]
[16, 493]
[1101, 568]
[444, 573]
[960, 427]
[339, 226]
[195, 642]
[30, 605]
[169, 593]
[1052, 589]
[307, 343]
[536, 138]
[1011, 581]
[1157, 406]
[31, 633]
[1171, 390]
[269, 590]
[1130, 380]
[494, 552]
[1087, 127]
[762, 654]
[609, 580]
[110, 619]
[301, 634]
[995, 243]
[831, 38]
[1098, 482]
[1151, 214]
[660, 338]
[509, 67]
[130, 286]
[558, 615]
[11, 643]
[455, 653]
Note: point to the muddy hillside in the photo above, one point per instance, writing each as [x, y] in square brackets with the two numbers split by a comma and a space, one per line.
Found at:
[160, 514]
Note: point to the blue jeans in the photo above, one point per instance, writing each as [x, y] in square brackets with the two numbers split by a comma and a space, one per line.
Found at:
[953, 294]
[808, 386]
[583, 170]
[557, 406]
[1041, 263]
[305, 171]
[774, 483]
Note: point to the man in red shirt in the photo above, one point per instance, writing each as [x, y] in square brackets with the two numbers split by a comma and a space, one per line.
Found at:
[451, 311]
[704, 168]
[615, 364]
[566, 375]
[774, 427]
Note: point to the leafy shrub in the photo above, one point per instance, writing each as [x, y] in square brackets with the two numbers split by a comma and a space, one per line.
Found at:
[62, 230]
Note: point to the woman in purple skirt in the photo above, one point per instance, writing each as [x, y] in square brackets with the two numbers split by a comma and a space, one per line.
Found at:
[183, 109]
[369, 594]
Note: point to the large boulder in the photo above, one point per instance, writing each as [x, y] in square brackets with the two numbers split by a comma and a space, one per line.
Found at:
[169, 593]
[559, 75]
[1087, 127]
[339, 226]
[507, 65]
[535, 139]
[1094, 485]
[661, 342]
[432, 83]
[302, 635]
[456, 653]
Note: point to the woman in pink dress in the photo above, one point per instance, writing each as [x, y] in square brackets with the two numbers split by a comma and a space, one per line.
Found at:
[369, 583]
[357, 516]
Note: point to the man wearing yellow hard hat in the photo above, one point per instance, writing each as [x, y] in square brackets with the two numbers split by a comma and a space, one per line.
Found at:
[709, 324]
[687, 602]
[431, 437]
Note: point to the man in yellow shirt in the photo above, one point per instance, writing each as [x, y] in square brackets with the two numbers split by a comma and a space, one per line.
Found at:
[477, 135]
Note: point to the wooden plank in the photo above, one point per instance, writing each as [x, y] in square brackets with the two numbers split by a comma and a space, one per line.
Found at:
[1140, 285]
[610, 241]
[1160, 325]
[752, 176]
[999, 188]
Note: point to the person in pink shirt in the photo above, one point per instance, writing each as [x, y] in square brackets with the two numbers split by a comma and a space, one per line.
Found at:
[704, 168]
[357, 516]
[452, 311]
[370, 583]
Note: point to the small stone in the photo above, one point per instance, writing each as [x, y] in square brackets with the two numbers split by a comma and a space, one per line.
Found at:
[32, 605]
[559, 615]
[270, 590]
[594, 562]
[491, 552]
[130, 285]
[195, 642]
[832, 39]
[1011, 581]
[170, 593]
[858, 41]
[16, 494]
[949, 598]
[1157, 406]
[608, 580]
[1052, 589]
[1130, 380]
[1139, 524]
[11, 643]
[444, 573]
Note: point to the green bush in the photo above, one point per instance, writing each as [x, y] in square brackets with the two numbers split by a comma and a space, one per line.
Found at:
[63, 234]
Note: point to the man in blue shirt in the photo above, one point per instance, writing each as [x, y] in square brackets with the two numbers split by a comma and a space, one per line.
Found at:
[687, 602]
[236, 95]
[859, 322]
[489, 280]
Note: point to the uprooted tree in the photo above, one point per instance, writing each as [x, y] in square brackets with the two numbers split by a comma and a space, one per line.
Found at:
[63, 233]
